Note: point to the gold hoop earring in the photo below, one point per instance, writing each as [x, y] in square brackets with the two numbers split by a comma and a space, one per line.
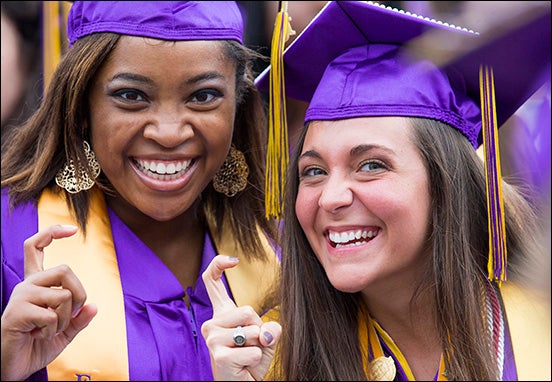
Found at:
[231, 178]
[67, 178]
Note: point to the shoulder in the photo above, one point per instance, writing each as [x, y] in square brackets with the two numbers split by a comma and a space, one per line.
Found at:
[528, 314]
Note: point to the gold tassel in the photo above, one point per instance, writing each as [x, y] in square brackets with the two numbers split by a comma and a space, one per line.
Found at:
[495, 202]
[277, 156]
[53, 32]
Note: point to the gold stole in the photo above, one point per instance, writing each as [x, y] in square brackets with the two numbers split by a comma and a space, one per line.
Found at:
[95, 263]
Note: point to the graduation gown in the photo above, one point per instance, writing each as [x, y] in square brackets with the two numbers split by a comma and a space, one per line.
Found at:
[143, 330]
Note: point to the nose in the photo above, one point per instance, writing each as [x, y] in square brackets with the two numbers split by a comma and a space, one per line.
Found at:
[169, 130]
[336, 194]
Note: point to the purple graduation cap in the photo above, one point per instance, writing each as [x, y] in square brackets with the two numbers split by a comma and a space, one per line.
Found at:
[164, 20]
[358, 59]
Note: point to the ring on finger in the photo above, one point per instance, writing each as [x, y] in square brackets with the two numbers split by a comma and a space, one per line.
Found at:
[239, 336]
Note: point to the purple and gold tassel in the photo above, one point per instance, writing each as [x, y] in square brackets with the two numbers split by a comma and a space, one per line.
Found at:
[495, 203]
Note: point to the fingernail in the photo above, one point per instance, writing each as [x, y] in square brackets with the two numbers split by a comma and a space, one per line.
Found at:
[76, 312]
[268, 337]
[233, 259]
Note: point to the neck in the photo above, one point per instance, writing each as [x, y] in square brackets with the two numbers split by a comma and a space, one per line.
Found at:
[177, 242]
[410, 323]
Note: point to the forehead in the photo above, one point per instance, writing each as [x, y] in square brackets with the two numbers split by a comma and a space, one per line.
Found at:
[173, 57]
[140, 46]
[360, 129]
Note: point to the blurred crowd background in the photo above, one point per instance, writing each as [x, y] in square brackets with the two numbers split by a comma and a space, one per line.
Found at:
[30, 51]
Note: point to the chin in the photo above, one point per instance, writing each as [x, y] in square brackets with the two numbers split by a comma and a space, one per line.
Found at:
[346, 284]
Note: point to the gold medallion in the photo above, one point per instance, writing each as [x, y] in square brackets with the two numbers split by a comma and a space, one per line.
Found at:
[382, 369]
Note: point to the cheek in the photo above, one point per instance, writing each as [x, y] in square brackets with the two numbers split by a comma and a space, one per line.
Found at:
[306, 206]
[404, 210]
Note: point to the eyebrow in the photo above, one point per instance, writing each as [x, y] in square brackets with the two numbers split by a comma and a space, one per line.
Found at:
[363, 148]
[204, 77]
[139, 78]
[131, 77]
[357, 150]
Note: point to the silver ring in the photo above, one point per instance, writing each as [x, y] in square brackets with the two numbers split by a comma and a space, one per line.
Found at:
[239, 336]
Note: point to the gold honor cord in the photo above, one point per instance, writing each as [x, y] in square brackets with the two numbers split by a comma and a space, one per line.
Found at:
[277, 156]
[495, 203]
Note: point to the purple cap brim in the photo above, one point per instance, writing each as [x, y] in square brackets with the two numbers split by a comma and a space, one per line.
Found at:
[165, 20]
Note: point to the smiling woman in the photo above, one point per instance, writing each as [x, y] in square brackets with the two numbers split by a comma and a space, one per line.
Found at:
[152, 101]
[395, 231]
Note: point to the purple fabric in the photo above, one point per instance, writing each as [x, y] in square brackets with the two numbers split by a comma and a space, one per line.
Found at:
[165, 20]
[16, 227]
[362, 82]
[164, 337]
[519, 56]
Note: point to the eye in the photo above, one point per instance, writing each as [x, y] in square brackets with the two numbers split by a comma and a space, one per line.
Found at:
[205, 96]
[130, 95]
[372, 166]
[310, 172]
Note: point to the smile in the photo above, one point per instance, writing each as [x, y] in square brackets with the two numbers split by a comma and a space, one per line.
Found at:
[351, 238]
[163, 170]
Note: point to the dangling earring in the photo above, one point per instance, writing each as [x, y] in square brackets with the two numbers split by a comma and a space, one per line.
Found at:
[67, 179]
[231, 178]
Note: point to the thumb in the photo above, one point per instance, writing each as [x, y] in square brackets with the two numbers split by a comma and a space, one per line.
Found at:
[81, 320]
[270, 334]
[269, 337]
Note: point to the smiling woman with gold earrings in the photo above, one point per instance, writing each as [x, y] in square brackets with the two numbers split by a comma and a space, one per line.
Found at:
[143, 162]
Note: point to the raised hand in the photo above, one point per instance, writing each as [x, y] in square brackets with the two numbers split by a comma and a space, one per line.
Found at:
[229, 360]
[45, 312]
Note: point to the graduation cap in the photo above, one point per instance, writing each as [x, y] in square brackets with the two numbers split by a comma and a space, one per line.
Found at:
[358, 59]
[164, 20]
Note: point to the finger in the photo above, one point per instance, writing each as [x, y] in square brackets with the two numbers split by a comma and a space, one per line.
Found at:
[34, 246]
[80, 321]
[45, 327]
[214, 285]
[62, 279]
[270, 333]
[269, 337]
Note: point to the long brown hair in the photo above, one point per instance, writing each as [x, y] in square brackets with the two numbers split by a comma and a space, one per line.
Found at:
[55, 134]
[320, 324]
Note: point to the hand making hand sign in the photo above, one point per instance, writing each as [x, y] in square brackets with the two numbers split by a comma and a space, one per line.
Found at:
[241, 345]
[46, 310]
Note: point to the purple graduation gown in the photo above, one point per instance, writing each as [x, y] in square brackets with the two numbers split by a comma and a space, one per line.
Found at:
[164, 338]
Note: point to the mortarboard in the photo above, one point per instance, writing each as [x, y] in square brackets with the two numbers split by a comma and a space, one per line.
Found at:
[164, 20]
[358, 59]
[518, 57]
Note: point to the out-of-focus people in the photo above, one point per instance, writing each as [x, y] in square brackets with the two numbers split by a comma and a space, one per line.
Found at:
[395, 232]
[21, 62]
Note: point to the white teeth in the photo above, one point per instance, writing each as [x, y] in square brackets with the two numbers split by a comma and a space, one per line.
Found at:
[160, 169]
[351, 237]
[169, 170]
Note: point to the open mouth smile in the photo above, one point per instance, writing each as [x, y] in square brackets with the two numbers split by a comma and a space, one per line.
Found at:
[351, 238]
[163, 170]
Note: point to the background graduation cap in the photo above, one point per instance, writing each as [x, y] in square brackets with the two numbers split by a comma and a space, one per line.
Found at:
[359, 59]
